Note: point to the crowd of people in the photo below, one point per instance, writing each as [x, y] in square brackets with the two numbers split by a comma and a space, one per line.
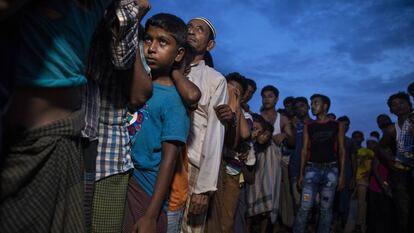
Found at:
[111, 126]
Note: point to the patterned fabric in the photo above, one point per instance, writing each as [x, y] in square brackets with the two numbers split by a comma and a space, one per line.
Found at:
[90, 105]
[114, 148]
[109, 203]
[41, 188]
[263, 195]
[124, 50]
[405, 142]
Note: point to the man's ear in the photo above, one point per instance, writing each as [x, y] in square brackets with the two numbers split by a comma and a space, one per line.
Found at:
[211, 44]
[180, 55]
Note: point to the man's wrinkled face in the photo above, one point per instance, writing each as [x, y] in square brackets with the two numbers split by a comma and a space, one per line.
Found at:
[198, 35]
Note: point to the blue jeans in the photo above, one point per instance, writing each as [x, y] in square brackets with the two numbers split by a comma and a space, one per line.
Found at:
[322, 180]
[174, 220]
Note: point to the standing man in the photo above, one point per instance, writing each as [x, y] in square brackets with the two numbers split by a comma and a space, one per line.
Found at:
[205, 142]
[397, 150]
[323, 148]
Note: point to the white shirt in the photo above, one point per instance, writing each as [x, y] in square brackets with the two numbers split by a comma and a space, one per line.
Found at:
[206, 137]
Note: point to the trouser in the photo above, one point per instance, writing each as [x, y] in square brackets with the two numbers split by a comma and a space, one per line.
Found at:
[175, 218]
[362, 187]
[380, 216]
[295, 193]
[223, 206]
[322, 179]
[402, 191]
[286, 209]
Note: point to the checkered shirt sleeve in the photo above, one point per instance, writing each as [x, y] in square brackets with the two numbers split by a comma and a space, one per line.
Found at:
[125, 40]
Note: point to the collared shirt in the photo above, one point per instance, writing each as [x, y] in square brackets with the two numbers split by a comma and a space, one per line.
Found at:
[405, 143]
[123, 48]
[206, 136]
[114, 146]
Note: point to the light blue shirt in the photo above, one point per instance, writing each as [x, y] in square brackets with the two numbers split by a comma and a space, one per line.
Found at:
[165, 118]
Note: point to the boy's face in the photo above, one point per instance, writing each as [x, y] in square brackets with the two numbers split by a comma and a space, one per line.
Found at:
[301, 109]
[257, 130]
[161, 49]
[269, 99]
[399, 107]
[358, 138]
[383, 122]
[198, 34]
[318, 106]
[248, 94]
[264, 137]
[372, 144]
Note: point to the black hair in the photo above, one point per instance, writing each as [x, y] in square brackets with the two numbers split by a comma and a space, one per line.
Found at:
[238, 78]
[259, 119]
[375, 134]
[289, 100]
[302, 99]
[343, 119]
[270, 88]
[269, 127]
[410, 88]
[251, 83]
[325, 99]
[171, 24]
[384, 115]
[357, 132]
[208, 59]
[400, 95]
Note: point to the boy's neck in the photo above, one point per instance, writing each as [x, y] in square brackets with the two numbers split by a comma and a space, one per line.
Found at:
[269, 110]
[162, 78]
[322, 117]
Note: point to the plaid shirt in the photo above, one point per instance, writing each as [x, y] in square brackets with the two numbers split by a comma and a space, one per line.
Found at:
[405, 142]
[113, 140]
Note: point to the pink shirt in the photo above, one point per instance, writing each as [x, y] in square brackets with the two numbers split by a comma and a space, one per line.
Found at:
[383, 173]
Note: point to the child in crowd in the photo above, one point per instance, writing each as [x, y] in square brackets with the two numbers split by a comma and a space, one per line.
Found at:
[163, 131]
[364, 161]
[263, 195]
[379, 216]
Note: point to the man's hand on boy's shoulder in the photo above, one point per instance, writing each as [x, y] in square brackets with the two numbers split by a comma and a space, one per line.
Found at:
[143, 7]
[225, 114]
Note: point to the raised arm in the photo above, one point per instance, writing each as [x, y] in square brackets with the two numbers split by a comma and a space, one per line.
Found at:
[188, 91]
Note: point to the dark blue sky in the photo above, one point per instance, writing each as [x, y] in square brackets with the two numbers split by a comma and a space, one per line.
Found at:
[356, 52]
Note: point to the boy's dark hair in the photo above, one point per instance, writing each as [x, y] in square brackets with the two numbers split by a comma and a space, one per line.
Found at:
[302, 99]
[269, 127]
[357, 132]
[238, 78]
[375, 134]
[385, 116]
[251, 83]
[343, 119]
[410, 88]
[400, 95]
[325, 99]
[171, 24]
[289, 100]
[270, 88]
[259, 119]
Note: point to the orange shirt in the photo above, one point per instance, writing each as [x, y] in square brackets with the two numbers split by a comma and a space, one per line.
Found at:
[179, 185]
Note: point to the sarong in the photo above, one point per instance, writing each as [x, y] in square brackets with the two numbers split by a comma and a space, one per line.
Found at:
[263, 195]
[40, 181]
[137, 203]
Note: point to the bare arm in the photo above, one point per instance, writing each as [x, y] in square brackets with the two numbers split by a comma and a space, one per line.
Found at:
[303, 155]
[141, 84]
[341, 144]
[188, 91]
[288, 130]
[169, 157]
